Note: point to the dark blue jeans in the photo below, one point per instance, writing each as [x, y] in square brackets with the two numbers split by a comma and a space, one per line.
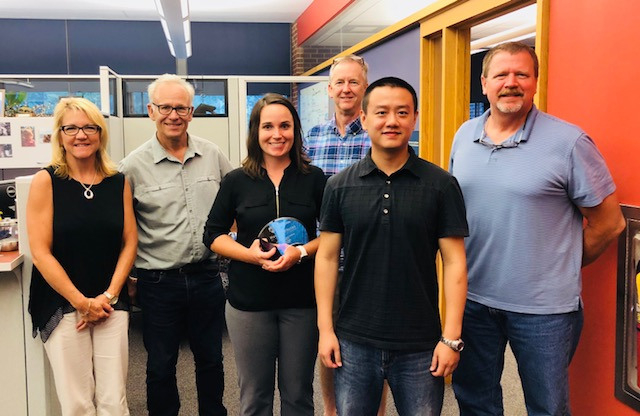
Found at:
[359, 381]
[543, 346]
[173, 303]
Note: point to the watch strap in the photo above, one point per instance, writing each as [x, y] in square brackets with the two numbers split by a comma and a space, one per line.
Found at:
[455, 344]
[303, 252]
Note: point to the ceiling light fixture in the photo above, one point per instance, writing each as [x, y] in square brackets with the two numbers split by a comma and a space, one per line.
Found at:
[516, 33]
[174, 17]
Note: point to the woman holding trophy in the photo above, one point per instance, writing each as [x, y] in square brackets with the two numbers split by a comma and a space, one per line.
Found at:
[270, 313]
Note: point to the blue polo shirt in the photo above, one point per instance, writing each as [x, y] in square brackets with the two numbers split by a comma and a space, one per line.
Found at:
[524, 250]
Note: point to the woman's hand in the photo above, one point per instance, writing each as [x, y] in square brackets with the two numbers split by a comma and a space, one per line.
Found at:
[258, 256]
[285, 262]
[96, 312]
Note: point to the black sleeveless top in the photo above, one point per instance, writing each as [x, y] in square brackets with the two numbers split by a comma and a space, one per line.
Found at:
[87, 240]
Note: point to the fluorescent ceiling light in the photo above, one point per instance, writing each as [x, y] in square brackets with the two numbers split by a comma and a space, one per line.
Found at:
[521, 32]
[184, 7]
[159, 7]
[165, 29]
[174, 17]
[186, 26]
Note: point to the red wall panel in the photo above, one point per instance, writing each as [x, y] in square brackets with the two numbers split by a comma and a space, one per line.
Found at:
[594, 69]
[317, 15]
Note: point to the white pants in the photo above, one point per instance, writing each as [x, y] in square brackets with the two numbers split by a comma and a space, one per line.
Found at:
[90, 366]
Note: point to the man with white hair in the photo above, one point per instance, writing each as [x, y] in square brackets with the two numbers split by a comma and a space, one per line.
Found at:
[175, 177]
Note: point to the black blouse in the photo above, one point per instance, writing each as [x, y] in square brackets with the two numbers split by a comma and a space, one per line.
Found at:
[251, 202]
[87, 241]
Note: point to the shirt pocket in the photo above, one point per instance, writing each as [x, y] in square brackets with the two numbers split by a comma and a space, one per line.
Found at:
[209, 179]
[205, 190]
[302, 207]
[255, 210]
[159, 196]
[256, 201]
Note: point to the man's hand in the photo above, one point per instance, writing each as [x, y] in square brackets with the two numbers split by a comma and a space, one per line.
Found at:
[329, 349]
[444, 361]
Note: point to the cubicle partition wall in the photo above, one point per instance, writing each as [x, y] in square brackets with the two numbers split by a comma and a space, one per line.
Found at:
[222, 105]
[122, 99]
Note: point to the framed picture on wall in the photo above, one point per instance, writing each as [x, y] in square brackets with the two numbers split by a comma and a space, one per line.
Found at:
[1, 103]
[627, 372]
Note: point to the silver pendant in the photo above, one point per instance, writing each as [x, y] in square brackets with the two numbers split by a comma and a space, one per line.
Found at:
[88, 193]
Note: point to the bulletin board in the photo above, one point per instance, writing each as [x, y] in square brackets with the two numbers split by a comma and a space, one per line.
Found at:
[25, 142]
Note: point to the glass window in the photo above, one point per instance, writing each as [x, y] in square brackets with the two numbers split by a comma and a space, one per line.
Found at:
[257, 90]
[210, 98]
[135, 97]
[39, 97]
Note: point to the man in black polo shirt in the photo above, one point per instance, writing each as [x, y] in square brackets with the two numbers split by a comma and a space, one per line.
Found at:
[393, 212]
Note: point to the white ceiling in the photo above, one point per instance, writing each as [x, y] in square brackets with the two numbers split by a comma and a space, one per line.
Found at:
[360, 20]
[273, 11]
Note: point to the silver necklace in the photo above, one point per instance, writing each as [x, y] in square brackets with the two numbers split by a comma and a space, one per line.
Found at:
[88, 193]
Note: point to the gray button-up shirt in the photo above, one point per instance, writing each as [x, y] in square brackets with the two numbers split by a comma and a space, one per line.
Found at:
[172, 200]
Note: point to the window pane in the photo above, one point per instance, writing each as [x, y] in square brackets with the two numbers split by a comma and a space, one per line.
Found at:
[39, 97]
[210, 97]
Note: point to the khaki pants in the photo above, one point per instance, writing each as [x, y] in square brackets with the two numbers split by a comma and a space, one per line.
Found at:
[90, 366]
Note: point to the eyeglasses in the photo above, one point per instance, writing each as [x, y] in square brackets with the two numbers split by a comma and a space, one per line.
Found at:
[507, 144]
[350, 58]
[353, 58]
[166, 109]
[72, 130]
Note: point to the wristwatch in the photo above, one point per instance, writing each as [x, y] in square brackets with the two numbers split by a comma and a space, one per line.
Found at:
[112, 298]
[303, 252]
[457, 345]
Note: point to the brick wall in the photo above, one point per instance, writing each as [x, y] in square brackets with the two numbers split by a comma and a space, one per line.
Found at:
[306, 57]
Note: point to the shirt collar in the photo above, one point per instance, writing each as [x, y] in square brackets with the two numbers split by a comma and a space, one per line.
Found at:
[355, 127]
[160, 153]
[291, 167]
[368, 166]
[520, 136]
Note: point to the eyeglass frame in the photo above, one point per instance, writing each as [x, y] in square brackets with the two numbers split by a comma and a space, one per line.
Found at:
[189, 109]
[350, 58]
[63, 128]
[507, 144]
[353, 58]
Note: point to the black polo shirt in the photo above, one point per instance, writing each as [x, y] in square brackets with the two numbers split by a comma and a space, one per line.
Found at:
[390, 227]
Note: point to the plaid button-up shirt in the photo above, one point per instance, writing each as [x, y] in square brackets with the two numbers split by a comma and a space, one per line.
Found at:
[332, 152]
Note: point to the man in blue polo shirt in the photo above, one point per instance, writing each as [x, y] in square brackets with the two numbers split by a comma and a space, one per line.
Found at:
[392, 212]
[528, 180]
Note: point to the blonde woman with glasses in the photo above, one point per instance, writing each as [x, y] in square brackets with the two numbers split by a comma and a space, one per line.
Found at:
[83, 239]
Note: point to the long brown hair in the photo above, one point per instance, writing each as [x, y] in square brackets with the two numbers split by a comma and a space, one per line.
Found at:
[252, 164]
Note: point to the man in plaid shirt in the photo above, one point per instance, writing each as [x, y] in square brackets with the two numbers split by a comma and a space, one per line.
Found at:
[335, 145]
[341, 141]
